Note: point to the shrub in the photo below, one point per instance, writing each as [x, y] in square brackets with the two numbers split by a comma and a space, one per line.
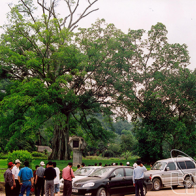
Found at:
[22, 155]
[108, 153]
[3, 156]
[37, 154]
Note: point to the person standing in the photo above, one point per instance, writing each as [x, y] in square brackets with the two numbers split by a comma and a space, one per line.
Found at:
[39, 180]
[67, 175]
[25, 178]
[57, 180]
[138, 178]
[49, 176]
[9, 183]
[34, 178]
[15, 172]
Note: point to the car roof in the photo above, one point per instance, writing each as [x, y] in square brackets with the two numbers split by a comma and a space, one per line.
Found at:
[176, 159]
[116, 166]
[91, 167]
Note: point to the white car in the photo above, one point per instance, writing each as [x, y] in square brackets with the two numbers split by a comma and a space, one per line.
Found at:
[83, 172]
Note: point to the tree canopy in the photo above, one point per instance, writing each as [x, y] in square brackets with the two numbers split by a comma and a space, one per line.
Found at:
[53, 77]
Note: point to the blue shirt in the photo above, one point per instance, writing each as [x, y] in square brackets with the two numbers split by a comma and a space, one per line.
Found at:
[25, 174]
[138, 173]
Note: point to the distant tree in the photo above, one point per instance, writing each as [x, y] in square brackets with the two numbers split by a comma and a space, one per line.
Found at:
[127, 141]
[158, 91]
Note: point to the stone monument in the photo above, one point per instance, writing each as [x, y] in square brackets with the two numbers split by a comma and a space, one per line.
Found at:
[78, 145]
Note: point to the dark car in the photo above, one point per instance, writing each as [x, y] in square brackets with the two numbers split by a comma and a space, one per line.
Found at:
[113, 180]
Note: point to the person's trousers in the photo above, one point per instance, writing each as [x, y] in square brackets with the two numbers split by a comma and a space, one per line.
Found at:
[40, 186]
[67, 189]
[139, 187]
[49, 187]
[16, 189]
[8, 190]
[26, 186]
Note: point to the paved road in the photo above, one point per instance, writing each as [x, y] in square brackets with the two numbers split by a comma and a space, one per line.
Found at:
[181, 191]
[165, 192]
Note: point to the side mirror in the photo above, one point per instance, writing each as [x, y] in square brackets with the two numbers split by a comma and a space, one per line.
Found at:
[112, 176]
[167, 169]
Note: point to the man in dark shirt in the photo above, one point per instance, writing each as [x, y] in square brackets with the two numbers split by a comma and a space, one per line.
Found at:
[49, 175]
[9, 184]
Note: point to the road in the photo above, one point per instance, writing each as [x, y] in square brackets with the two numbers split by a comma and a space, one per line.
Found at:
[181, 191]
[164, 192]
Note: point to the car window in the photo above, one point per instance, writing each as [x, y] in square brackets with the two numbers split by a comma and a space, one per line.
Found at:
[83, 171]
[118, 173]
[181, 165]
[101, 172]
[190, 165]
[158, 166]
[128, 172]
[171, 166]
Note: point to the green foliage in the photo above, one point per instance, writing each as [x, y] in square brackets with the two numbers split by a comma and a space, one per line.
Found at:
[126, 155]
[22, 155]
[127, 141]
[37, 154]
[108, 153]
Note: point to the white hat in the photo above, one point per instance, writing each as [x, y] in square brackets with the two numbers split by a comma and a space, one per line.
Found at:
[42, 163]
[17, 161]
[128, 163]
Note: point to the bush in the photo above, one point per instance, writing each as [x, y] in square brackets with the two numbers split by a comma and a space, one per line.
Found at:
[38, 154]
[22, 155]
[108, 153]
[3, 156]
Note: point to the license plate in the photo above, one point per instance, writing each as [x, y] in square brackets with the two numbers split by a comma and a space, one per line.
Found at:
[75, 190]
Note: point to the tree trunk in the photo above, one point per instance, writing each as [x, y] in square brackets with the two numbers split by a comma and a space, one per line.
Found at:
[60, 146]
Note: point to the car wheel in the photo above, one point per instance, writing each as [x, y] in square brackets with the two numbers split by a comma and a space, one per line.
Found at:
[101, 192]
[188, 182]
[156, 184]
[144, 191]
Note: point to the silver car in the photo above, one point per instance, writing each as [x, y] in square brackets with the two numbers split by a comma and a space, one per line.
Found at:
[173, 172]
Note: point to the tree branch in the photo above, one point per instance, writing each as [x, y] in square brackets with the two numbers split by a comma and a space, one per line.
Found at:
[29, 10]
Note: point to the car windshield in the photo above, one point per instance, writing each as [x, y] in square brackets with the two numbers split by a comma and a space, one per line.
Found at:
[101, 172]
[158, 166]
[83, 171]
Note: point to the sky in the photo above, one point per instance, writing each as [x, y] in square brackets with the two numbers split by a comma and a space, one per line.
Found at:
[179, 17]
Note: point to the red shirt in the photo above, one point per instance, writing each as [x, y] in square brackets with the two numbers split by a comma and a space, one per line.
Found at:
[67, 173]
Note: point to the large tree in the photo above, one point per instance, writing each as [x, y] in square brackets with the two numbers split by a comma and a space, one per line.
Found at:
[162, 94]
[54, 73]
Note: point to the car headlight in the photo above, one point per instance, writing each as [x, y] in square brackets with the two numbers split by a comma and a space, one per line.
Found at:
[89, 184]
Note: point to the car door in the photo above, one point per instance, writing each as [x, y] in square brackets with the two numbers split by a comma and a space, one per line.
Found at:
[170, 177]
[117, 184]
[130, 189]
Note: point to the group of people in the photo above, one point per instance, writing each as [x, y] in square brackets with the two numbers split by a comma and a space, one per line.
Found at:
[48, 179]
[100, 164]
[42, 180]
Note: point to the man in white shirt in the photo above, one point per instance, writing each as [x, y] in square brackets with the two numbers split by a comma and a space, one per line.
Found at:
[138, 178]
[57, 179]
[15, 172]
